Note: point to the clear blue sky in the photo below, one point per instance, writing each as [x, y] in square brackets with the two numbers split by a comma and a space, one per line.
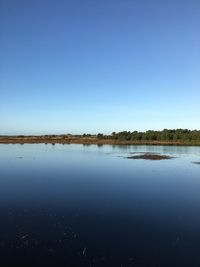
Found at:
[99, 65]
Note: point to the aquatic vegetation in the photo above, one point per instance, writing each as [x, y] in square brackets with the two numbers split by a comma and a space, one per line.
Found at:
[196, 162]
[150, 156]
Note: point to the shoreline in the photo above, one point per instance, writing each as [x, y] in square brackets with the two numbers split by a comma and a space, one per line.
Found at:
[87, 141]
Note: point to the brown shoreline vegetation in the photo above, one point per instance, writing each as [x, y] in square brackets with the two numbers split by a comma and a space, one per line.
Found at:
[87, 140]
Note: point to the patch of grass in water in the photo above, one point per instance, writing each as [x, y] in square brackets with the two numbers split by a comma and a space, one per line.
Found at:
[196, 162]
[150, 156]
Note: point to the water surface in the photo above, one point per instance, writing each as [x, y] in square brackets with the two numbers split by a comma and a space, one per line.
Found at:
[80, 205]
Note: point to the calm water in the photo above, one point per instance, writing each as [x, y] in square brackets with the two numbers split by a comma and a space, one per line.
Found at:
[75, 205]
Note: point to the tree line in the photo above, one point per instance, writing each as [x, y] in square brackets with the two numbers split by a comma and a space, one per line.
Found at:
[171, 135]
[151, 135]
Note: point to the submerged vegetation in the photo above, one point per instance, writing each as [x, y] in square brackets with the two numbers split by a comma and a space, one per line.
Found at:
[164, 137]
[150, 156]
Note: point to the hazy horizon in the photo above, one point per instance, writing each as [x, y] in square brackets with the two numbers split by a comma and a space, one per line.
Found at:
[99, 66]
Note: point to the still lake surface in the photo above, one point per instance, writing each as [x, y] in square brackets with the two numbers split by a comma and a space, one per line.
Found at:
[80, 205]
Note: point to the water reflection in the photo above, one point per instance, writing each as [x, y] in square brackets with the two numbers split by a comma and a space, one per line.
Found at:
[76, 205]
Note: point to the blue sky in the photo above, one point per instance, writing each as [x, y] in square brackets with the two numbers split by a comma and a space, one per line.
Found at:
[99, 66]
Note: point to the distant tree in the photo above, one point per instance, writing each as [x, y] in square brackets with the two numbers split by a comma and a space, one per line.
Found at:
[114, 136]
[99, 135]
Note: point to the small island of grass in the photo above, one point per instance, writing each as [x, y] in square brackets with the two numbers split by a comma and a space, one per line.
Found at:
[149, 156]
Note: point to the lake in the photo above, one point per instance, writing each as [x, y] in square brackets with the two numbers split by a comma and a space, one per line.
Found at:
[88, 205]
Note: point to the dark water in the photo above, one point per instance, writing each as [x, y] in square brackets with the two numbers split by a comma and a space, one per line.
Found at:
[75, 205]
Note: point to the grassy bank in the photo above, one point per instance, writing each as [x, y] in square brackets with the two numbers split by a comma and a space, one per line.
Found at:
[87, 140]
